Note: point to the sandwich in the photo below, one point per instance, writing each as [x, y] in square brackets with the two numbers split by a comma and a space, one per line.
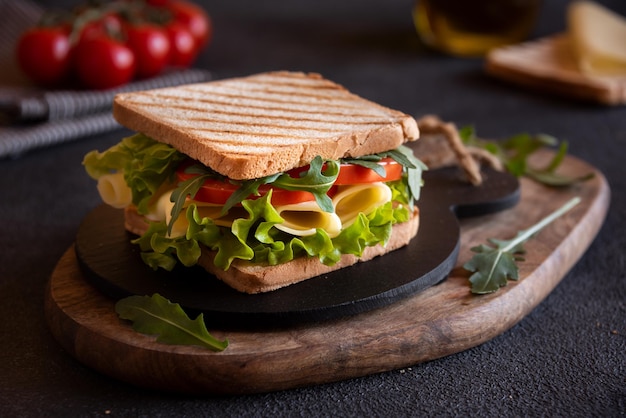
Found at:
[264, 181]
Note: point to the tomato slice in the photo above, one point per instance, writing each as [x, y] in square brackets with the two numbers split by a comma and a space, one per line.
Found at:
[217, 191]
[357, 174]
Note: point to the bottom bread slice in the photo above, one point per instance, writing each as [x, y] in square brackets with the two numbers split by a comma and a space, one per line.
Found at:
[248, 277]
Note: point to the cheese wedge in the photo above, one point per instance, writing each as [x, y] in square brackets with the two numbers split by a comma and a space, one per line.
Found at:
[598, 37]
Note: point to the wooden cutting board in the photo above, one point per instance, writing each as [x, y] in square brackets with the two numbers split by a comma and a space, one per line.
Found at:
[439, 321]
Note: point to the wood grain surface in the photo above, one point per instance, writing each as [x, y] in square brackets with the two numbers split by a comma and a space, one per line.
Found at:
[440, 321]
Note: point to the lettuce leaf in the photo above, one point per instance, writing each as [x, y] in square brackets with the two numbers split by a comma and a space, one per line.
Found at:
[146, 165]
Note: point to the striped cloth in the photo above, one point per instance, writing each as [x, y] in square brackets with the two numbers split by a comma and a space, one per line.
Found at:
[32, 118]
[29, 105]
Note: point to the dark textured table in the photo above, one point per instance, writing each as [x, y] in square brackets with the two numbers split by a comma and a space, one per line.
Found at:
[567, 358]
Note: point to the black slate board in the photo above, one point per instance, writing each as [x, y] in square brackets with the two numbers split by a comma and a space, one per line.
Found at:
[112, 264]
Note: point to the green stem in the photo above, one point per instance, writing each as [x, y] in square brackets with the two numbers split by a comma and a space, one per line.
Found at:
[526, 234]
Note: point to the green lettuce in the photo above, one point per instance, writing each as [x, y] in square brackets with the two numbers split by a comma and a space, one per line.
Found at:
[146, 165]
[254, 239]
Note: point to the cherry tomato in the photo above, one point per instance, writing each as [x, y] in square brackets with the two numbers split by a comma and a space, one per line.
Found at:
[182, 45]
[108, 25]
[44, 54]
[151, 46]
[103, 63]
[194, 18]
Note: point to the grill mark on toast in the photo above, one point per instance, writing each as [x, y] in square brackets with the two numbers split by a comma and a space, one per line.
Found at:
[321, 116]
[203, 124]
[264, 103]
[341, 126]
[254, 118]
[223, 99]
[314, 93]
[249, 134]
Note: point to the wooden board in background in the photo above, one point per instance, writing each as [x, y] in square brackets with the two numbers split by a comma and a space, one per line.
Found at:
[440, 321]
[548, 65]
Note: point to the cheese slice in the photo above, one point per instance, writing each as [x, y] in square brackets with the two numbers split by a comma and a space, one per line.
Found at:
[205, 210]
[158, 211]
[303, 219]
[362, 198]
[599, 38]
[114, 191]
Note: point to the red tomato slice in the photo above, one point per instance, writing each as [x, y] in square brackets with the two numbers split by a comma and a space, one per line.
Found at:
[217, 191]
[357, 174]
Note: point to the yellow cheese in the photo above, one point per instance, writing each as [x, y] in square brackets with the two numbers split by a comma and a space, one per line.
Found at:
[114, 191]
[599, 38]
[362, 198]
[205, 210]
[157, 211]
[302, 219]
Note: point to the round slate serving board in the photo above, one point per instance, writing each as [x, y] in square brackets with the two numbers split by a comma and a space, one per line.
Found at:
[438, 321]
[112, 264]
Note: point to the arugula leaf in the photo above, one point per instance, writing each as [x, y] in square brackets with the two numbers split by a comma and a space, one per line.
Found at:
[157, 316]
[514, 152]
[247, 188]
[179, 195]
[402, 155]
[371, 163]
[548, 175]
[316, 180]
[492, 266]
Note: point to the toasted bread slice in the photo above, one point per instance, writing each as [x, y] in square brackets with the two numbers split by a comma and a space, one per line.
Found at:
[255, 126]
[256, 278]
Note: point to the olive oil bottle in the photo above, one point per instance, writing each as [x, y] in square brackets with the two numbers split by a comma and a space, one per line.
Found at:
[473, 27]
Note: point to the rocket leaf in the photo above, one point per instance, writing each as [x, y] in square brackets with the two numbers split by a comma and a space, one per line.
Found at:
[318, 179]
[157, 316]
[515, 151]
[493, 265]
